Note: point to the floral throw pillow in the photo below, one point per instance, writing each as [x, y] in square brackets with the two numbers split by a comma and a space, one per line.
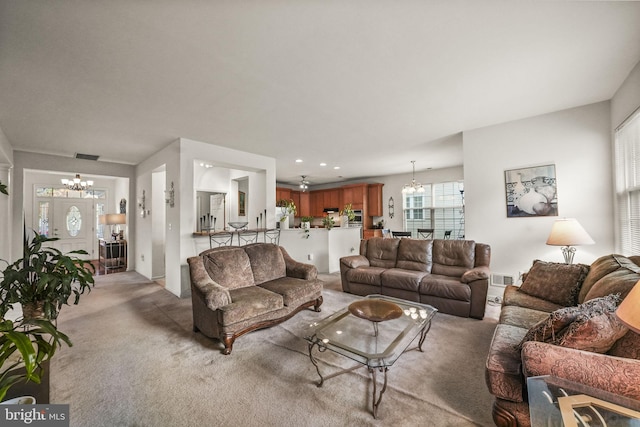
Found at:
[556, 282]
[554, 328]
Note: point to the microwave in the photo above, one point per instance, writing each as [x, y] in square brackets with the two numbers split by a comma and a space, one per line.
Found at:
[358, 217]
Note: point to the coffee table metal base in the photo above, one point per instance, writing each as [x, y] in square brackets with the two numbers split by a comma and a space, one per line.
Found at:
[376, 398]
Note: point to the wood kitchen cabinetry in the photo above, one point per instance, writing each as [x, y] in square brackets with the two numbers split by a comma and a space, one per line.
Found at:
[355, 194]
[283, 193]
[374, 202]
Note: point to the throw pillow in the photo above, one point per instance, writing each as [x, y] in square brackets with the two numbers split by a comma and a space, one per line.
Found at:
[552, 328]
[556, 282]
[597, 334]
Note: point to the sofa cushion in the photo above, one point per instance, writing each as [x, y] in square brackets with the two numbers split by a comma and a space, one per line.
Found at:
[398, 278]
[415, 254]
[521, 317]
[294, 291]
[513, 296]
[552, 328]
[444, 287]
[602, 267]
[366, 275]
[628, 346]
[453, 257]
[267, 262]
[229, 267]
[504, 367]
[382, 252]
[556, 282]
[249, 302]
[620, 282]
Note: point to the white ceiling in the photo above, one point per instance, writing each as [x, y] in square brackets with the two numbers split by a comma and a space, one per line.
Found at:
[365, 85]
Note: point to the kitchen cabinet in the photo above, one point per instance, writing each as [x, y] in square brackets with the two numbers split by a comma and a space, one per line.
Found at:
[371, 232]
[374, 202]
[355, 194]
[283, 193]
[316, 202]
[332, 199]
[304, 205]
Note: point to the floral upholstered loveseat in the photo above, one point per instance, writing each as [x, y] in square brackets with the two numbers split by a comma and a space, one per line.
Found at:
[235, 290]
[561, 322]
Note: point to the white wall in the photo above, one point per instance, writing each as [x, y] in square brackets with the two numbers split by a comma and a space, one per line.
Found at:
[24, 161]
[180, 158]
[158, 220]
[6, 163]
[578, 142]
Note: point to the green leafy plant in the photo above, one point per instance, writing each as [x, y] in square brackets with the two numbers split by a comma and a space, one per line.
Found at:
[3, 189]
[288, 207]
[328, 222]
[26, 345]
[348, 212]
[306, 219]
[44, 279]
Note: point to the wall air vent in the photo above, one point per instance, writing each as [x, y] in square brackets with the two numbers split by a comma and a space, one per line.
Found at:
[86, 156]
[501, 280]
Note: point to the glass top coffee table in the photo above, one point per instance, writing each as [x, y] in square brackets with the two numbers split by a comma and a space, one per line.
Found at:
[374, 331]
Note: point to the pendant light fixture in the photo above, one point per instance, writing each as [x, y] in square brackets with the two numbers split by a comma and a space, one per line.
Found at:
[304, 184]
[77, 183]
[414, 187]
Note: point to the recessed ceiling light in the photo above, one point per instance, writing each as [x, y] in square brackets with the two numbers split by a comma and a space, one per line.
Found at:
[336, 167]
[323, 164]
[298, 160]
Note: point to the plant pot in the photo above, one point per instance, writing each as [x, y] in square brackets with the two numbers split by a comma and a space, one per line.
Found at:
[305, 225]
[33, 310]
[22, 400]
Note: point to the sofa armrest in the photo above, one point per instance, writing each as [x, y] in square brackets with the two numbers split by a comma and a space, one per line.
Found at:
[476, 273]
[613, 374]
[215, 295]
[298, 270]
[355, 261]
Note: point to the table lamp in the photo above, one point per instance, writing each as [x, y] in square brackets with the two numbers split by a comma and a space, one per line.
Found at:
[115, 219]
[568, 232]
[628, 312]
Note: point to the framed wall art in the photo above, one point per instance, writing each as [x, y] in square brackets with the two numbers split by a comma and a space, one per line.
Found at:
[531, 191]
[242, 200]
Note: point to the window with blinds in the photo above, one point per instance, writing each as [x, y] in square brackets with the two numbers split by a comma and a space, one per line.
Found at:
[627, 185]
[440, 207]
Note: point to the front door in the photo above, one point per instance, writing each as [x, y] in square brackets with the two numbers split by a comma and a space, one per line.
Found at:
[73, 225]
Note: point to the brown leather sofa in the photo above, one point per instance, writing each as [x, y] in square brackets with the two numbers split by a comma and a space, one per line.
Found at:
[541, 316]
[235, 290]
[450, 275]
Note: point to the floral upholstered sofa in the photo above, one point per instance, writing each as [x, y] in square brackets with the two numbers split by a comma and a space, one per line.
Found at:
[561, 322]
[235, 290]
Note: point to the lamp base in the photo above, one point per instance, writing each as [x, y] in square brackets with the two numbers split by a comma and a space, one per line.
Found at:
[568, 252]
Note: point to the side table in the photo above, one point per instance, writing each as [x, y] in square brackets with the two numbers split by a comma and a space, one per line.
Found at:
[558, 402]
[112, 256]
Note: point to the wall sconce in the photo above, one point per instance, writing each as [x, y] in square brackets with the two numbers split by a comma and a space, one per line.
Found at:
[169, 196]
[142, 205]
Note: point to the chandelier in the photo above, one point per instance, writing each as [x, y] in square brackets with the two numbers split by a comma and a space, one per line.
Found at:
[414, 187]
[304, 184]
[76, 184]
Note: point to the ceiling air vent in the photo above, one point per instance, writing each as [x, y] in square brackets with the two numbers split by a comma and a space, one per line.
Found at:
[86, 156]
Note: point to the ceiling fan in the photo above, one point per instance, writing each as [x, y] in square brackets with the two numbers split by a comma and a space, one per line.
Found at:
[304, 184]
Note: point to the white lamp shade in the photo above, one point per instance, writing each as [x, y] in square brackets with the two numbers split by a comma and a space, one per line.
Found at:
[113, 219]
[568, 232]
[629, 310]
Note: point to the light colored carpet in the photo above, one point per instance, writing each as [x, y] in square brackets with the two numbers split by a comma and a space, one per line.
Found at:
[136, 362]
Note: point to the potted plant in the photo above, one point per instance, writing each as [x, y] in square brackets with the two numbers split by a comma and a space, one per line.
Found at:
[3, 189]
[25, 347]
[288, 207]
[305, 222]
[347, 215]
[328, 222]
[44, 279]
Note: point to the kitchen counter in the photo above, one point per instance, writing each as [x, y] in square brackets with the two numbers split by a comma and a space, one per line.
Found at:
[321, 247]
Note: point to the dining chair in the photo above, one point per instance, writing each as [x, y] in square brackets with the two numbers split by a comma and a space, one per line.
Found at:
[247, 236]
[220, 238]
[447, 234]
[425, 233]
[272, 236]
